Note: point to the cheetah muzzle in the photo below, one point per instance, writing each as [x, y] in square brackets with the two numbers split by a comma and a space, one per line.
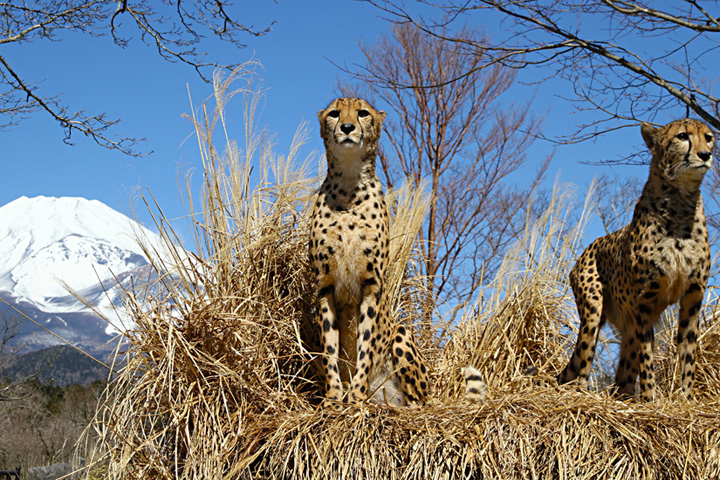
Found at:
[661, 257]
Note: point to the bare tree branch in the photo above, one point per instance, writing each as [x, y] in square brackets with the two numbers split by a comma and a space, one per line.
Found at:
[629, 8]
[92, 126]
[175, 27]
[612, 72]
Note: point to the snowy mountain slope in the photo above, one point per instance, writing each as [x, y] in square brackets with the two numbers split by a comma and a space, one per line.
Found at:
[47, 243]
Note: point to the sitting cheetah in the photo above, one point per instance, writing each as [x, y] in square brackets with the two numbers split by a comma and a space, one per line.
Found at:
[349, 249]
[630, 276]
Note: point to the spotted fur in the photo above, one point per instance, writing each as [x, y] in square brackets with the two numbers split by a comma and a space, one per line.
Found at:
[661, 257]
[349, 249]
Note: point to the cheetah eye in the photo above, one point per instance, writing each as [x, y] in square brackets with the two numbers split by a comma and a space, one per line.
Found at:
[708, 138]
[682, 136]
[363, 113]
[333, 114]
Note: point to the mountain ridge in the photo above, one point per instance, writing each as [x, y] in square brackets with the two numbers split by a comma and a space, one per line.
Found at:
[59, 365]
[48, 244]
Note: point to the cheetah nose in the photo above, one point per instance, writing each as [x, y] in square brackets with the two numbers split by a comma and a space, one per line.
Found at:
[347, 128]
[704, 156]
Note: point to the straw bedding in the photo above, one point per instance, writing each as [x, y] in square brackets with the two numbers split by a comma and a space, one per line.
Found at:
[220, 380]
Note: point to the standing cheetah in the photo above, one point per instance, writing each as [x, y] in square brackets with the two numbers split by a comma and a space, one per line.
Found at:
[630, 276]
[349, 250]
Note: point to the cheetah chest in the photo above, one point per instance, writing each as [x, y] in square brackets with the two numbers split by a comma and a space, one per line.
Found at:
[356, 250]
[678, 260]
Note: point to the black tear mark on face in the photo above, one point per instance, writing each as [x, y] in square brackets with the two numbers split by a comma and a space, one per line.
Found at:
[690, 145]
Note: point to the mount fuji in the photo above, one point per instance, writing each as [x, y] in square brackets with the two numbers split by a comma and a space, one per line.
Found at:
[48, 245]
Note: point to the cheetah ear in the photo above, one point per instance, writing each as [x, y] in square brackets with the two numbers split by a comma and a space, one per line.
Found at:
[321, 118]
[648, 134]
[380, 118]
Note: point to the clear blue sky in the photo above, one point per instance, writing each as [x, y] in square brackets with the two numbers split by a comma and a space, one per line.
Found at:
[150, 95]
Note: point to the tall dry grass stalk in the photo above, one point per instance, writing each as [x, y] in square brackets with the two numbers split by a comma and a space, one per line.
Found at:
[523, 317]
[218, 384]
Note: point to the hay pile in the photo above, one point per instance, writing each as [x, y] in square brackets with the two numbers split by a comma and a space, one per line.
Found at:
[220, 384]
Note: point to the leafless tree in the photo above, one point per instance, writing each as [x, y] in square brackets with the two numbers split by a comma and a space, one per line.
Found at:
[616, 200]
[466, 139]
[9, 327]
[175, 28]
[43, 426]
[625, 60]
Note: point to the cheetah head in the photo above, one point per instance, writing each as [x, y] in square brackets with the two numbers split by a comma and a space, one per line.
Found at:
[681, 150]
[350, 126]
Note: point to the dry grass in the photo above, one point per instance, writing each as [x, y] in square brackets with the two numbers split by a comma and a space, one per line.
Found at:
[218, 385]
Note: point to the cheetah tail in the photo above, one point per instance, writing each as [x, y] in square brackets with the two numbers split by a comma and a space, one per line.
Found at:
[475, 387]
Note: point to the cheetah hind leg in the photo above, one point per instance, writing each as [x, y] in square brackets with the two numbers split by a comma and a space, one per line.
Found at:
[409, 366]
[592, 318]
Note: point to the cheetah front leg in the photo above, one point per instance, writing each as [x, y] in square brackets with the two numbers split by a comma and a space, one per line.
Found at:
[690, 305]
[409, 365]
[372, 329]
[627, 371]
[645, 335]
[330, 341]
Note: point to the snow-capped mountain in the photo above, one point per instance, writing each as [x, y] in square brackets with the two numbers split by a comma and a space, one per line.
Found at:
[49, 244]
